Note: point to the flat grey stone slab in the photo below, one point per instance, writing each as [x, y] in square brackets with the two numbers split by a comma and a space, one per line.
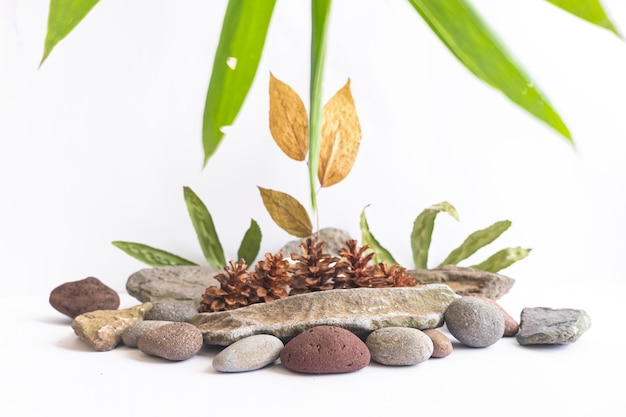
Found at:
[548, 326]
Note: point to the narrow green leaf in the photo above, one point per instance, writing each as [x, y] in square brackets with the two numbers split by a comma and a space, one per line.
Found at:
[462, 30]
[237, 57]
[205, 229]
[63, 16]
[423, 226]
[320, 10]
[251, 243]
[502, 259]
[367, 238]
[589, 10]
[475, 241]
[287, 212]
[149, 255]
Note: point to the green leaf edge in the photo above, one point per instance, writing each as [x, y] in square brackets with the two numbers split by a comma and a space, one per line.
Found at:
[251, 243]
[421, 235]
[149, 255]
[367, 238]
[476, 241]
[502, 259]
[202, 222]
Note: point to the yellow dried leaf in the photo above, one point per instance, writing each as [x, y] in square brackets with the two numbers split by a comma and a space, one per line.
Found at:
[287, 212]
[341, 136]
[289, 123]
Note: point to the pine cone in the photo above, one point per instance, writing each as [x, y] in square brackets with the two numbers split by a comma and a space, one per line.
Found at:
[353, 262]
[272, 277]
[313, 270]
[380, 275]
[236, 289]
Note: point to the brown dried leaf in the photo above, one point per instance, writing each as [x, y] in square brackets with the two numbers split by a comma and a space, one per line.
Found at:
[289, 123]
[287, 212]
[341, 136]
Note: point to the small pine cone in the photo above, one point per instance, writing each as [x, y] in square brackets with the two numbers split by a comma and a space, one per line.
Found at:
[235, 289]
[400, 278]
[314, 270]
[353, 262]
[271, 277]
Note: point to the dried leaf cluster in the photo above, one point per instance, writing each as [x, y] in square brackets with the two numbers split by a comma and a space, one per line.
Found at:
[275, 277]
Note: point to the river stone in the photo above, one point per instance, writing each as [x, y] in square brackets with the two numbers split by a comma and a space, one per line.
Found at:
[357, 309]
[547, 326]
[442, 346]
[398, 346]
[474, 322]
[172, 283]
[335, 240]
[465, 281]
[78, 297]
[174, 341]
[249, 354]
[102, 329]
[325, 350]
[135, 331]
[172, 311]
[511, 327]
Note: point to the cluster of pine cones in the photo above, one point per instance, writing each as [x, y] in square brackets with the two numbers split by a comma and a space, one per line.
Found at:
[275, 277]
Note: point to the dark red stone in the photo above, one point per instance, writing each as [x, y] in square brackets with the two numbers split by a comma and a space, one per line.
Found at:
[79, 297]
[325, 350]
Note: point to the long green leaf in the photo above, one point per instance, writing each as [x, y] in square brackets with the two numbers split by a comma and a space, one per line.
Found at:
[63, 16]
[237, 57]
[589, 10]
[149, 255]
[502, 259]
[475, 241]
[205, 229]
[423, 226]
[367, 238]
[471, 41]
[251, 243]
[320, 10]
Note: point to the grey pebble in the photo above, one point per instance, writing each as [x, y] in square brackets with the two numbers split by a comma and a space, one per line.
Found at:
[547, 326]
[249, 354]
[399, 346]
[172, 311]
[132, 334]
[474, 322]
[174, 341]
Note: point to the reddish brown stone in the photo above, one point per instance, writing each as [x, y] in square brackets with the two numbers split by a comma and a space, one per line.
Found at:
[325, 350]
[79, 297]
[442, 346]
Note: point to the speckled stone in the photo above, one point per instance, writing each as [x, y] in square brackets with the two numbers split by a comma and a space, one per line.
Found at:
[474, 322]
[78, 297]
[325, 350]
[552, 326]
[172, 311]
[511, 326]
[442, 346]
[134, 332]
[249, 354]
[175, 341]
[399, 346]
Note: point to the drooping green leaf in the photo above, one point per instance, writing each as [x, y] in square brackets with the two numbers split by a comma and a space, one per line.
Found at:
[466, 35]
[502, 259]
[367, 238]
[149, 255]
[287, 212]
[320, 10]
[237, 57]
[423, 226]
[63, 16]
[205, 229]
[475, 241]
[589, 10]
[251, 243]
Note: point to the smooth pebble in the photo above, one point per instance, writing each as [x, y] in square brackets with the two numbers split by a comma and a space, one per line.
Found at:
[132, 334]
[474, 322]
[442, 346]
[174, 341]
[399, 346]
[249, 354]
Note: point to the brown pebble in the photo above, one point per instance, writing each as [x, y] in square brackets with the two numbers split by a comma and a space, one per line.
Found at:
[511, 326]
[176, 341]
[325, 350]
[442, 346]
[83, 296]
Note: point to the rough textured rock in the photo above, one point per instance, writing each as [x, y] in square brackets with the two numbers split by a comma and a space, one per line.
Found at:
[249, 354]
[132, 334]
[547, 326]
[399, 346]
[358, 310]
[78, 297]
[511, 326]
[172, 311]
[175, 341]
[466, 281]
[474, 322]
[171, 283]
[103, 329]
[442, 346]
[325, 350]
[335, 239]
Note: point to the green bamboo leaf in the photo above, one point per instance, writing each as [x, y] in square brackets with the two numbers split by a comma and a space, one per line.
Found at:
[287, 212]
[251, 243]
[63, 16]
[462, 30]
[235, 64]
[205, 229]
[475, 241]
[320, 10]
[149, 255]
[502, 259]
[423, 226]
[367, 238]
[589, 10]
